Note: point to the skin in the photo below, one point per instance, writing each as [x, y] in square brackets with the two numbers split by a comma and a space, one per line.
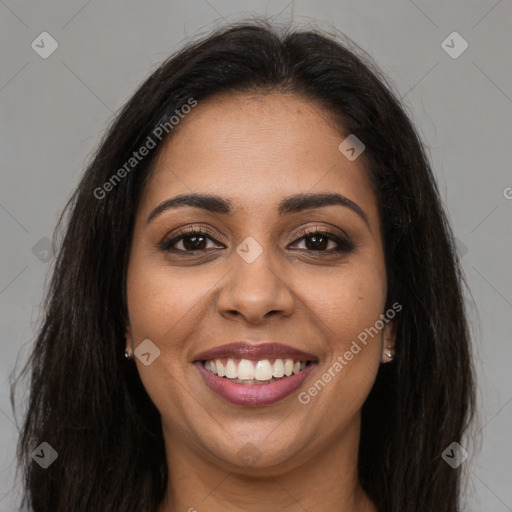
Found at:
[254, 151]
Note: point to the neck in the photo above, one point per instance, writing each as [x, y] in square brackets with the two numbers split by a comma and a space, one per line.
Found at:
[320, 478]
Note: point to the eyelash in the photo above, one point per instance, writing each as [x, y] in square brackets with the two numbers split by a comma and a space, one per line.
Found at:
[345, 245]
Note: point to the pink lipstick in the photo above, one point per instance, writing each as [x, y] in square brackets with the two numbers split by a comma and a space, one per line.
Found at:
[250, 374]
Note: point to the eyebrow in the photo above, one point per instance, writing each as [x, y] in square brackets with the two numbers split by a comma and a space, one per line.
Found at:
[291, 204]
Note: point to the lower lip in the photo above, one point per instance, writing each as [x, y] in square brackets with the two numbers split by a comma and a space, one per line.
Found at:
[253, 394]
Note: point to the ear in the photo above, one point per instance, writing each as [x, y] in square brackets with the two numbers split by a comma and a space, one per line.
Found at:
[128, 338]
[388, 342]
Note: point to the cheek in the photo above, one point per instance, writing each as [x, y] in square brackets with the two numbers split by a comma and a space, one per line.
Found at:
[161, 309]
[161, 300]
[349, 307]
[349, 301]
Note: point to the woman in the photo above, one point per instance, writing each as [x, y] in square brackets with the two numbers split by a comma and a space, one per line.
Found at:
[257, 303]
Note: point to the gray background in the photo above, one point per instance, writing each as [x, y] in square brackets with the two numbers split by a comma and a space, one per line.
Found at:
[55, 110]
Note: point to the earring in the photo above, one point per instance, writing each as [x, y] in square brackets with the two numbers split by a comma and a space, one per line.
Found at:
[128, 355]
[388, 355]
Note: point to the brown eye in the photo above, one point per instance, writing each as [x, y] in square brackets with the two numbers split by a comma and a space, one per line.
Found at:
[193, 240]
[325, 241]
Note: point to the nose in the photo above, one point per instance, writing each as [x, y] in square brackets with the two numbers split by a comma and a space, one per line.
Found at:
[255, 291]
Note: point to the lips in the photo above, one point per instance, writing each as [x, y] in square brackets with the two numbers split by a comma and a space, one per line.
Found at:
[262, 387]
[246, 350]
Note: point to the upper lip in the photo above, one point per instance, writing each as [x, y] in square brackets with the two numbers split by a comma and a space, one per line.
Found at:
[248, 350]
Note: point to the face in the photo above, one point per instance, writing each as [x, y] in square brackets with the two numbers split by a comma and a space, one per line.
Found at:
[262, 269]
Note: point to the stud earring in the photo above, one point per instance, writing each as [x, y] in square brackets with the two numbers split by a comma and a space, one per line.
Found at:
[388, 355]
[128, 355]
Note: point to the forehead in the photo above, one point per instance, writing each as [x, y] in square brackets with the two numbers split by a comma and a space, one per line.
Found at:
[255, 150]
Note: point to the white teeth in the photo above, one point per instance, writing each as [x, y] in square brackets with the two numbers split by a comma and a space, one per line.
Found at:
[231, 369]
[288, 367]
[250, 382]
[263, 370]
[220, 368]
[245, 369]
[254, 372]
[278, 368]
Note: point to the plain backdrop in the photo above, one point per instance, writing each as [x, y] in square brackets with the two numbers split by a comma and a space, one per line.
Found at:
[54, 111]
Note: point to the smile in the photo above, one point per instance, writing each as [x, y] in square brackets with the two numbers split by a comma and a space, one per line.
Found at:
[250, 374]
[245, 371]
[254, 392]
